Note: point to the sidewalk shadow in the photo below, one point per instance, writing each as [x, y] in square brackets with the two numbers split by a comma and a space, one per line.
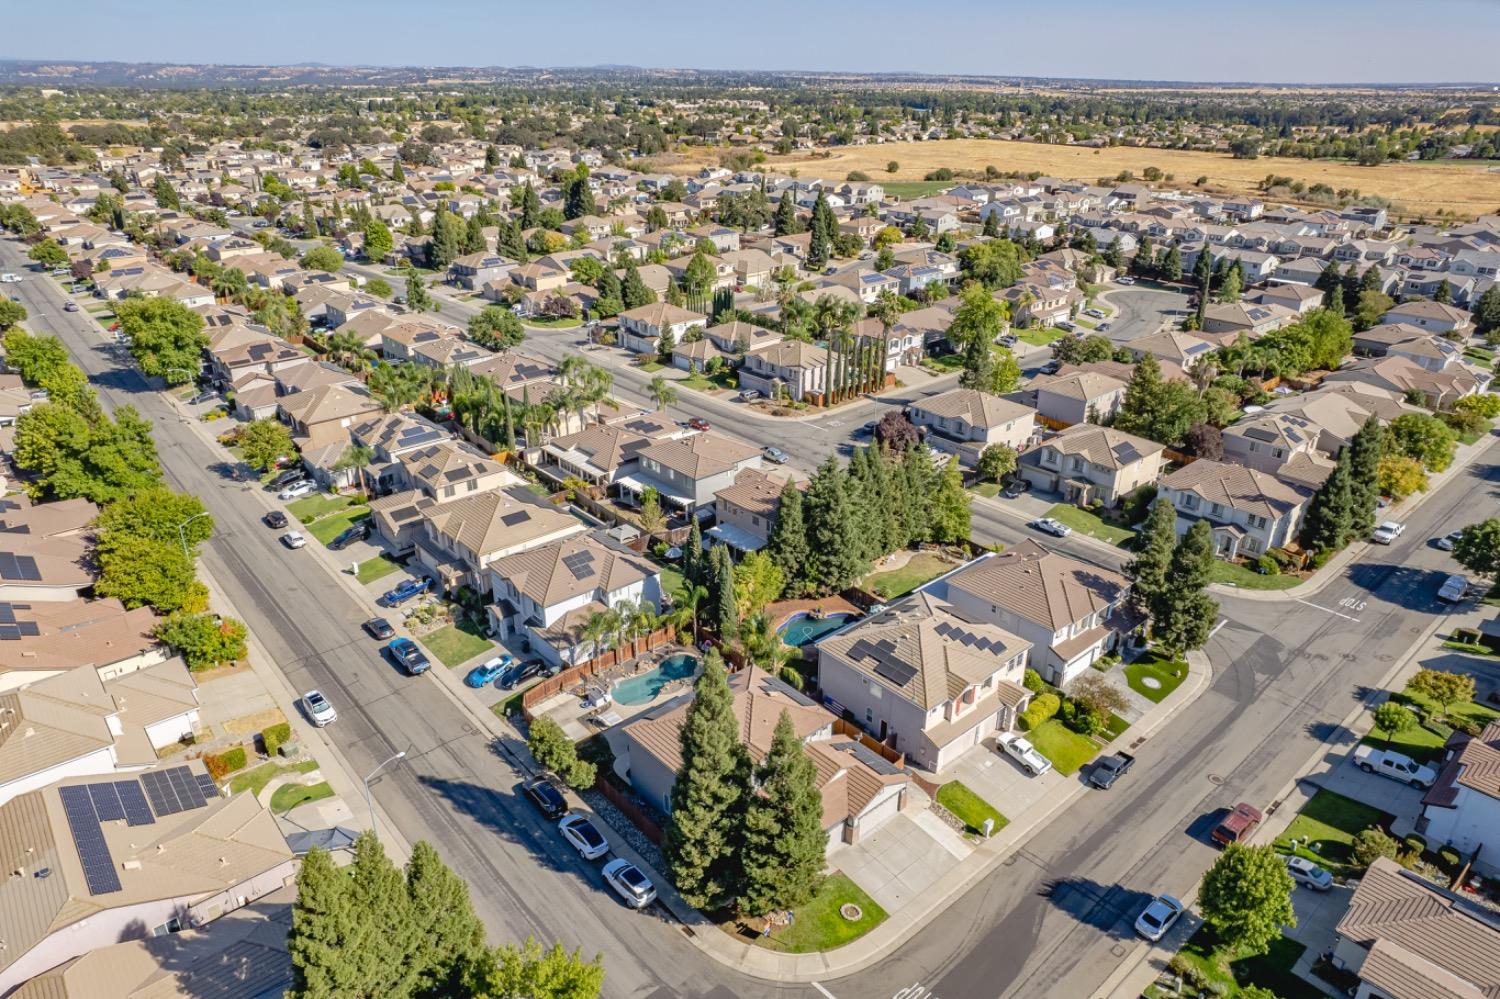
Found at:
[1109, 908]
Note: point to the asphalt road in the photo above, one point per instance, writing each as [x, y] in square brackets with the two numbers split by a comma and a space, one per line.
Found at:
[1054, 921]
[1142, 311]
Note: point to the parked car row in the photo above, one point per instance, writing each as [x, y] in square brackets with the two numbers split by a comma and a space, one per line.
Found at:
[623, 877]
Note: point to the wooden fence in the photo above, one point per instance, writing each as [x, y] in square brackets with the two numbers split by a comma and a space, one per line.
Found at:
[853, 731]
[631, 810]
[551, 687]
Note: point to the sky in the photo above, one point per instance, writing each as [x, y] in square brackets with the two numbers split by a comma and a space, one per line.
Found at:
[1275, 41]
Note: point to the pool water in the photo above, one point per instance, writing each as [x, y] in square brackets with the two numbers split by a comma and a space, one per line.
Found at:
[801, 629]
[645, 687]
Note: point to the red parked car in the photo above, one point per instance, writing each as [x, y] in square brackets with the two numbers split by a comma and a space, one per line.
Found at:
[698, 423]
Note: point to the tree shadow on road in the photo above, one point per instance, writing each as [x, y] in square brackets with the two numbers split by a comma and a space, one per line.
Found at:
[1108, 908]
[1405, 586]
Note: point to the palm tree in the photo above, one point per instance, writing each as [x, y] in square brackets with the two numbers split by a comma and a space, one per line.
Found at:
[887, 312]
[595, 630]
[661, 391]
[349, 352]
[687, 600]
[646, 619]
[358, 458]
[762, 645]
[624, 622]
[396, 386]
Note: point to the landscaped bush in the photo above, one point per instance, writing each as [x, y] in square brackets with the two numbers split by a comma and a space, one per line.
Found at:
[1041, 708]
[220, 765]
[1083, 720]
[1371, 844]
[1267, 566]
[790, 677]
[552, 748]
[1415, 843]
[1138, 504]
[274, 737]
[1033, 681]
[1448, 857]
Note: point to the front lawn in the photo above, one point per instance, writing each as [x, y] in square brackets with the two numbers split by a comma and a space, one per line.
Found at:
[1246, 578]
[970, 808]
[376, 568]
[1040, 337]
[310, 508]
[989, 490]
[650, 367]
[456, 645]
[325, 529]
[819, 925]
[700, 382]
[920, 568]
[553, 322]
[1330, 822]
[1168, 675]
[1067, 750]
[1084, 522]
[289, 796]
[1228, 974]
[255, 780]
[1424, 742]
[945, 362]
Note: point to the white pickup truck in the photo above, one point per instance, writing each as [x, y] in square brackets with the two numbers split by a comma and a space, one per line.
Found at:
[1395, 766]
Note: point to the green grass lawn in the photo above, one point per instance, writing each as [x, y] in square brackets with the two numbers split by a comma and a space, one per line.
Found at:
[1332, 821]
[1424, 742]
[311, 508]
[376, 568]
[700, 382]
[919, 569]
[454, 645]
[1115, 728]
[671, 580]
[913, 189]
[989, 490]
[255, 780]
[970, 808]
[1152, 665]
[945, 362]
[819, 925]
[1067, 750]
[1088, 523]
[1272, 970]
[289, 796]
[1041, 337]
[1246, 578]
[650, 367]
[557, 323]
[325, 529]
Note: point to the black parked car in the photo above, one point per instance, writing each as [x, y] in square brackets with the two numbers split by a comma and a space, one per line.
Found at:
[546, 796]
[285, 479]
[351, 534]
[276, 519]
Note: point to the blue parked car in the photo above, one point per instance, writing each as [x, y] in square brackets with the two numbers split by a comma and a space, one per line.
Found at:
[409, 655]
[405, 590]
[487, 672]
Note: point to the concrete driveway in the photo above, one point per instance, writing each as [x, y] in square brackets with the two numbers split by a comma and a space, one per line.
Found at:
[1400, 800]
[1001, 781]
[901, 859]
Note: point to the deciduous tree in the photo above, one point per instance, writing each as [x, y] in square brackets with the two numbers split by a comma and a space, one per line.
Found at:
[1478, 547]
[264, 442]
[167, 338]
[1246, 898]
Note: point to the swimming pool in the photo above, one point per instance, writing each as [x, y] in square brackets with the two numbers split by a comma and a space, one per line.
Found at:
[800, 629]
[643, 688]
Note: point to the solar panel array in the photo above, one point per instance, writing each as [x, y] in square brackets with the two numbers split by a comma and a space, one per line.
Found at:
[133, 800]
[12, 629]
[968, 640]
[580, 564]
[88, 839]
[883, 655]
[19, 568]
[172, 791]
[512, 519]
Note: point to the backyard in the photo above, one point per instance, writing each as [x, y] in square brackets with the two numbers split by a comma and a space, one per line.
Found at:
[970, 808]
[920, 568]
[1085, 522]
[1164, 675]
[1328, 824]
[819, 925]
[455, 644]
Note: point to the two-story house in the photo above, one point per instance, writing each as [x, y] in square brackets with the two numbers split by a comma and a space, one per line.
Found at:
[926, 678]
[1076, 396]
[389, 436]
[1434, 317]
[1068, 611]
[1250, 511]
[966, 421]
[461, 537]
[322, 416]
[1087, 463]
[548, 592]
[745, 511]
[687, 472]
[475, 270]
[1462, 808]
[791, 369]
[641, 329]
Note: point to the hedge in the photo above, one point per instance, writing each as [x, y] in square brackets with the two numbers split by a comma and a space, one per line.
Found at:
[220, 765]
[1042, 707]
[275, 737]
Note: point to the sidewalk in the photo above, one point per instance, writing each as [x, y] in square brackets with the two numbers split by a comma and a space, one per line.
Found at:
[1333, 569]
[880, 942]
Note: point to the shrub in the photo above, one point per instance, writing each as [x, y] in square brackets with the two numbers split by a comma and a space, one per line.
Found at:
[222, 764]
[276, 736]
[791, 677]
[1448, 857]
[1371, 844]
[1267, 566]
[1033, 681]
[552, 748]
[1415, 843]
[1041, 708]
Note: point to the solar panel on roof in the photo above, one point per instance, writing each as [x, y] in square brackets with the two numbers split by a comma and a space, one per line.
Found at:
[163, 795]
[207, 786]
[512, 519]
[88, 840]
[186, 785]
[133, 799]
[106, 802]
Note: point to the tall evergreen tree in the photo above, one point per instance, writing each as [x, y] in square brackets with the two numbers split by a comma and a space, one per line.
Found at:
[834, 548]
[949, 508]
[1365, 452]
[918, 480]
[474, 241]
[823, 231]
[786, 222]
[1147, 572]
[1184, 613]
[450, 935]
[787, 540]
[633, 290]
[701, 842]
[383, 954]
[1138, 410]
[1171, 264]
[325, 929]
[726, 611]
[693, 570]
[1330, 515]
[785, 846]
[531, 208]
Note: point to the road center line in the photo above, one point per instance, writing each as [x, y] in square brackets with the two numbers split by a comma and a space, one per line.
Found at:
[1329, 610]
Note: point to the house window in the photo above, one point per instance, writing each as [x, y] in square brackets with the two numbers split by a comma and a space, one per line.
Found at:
[1189, 501]
[1216, 510]
[173, 925]
[1257, 521]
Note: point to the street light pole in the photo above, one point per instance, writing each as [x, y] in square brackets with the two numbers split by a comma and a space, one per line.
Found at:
[182, 531]
[370, 802]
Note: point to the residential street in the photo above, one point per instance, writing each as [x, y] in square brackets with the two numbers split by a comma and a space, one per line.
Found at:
[1054, 921]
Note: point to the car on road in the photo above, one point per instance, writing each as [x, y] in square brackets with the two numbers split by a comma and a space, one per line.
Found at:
[771, 453]
[286, 478]
[1158, 917]
[276, 519]
[293, 539]
[319, 711]
[1047, 525]
[298, 489]
[1387, 532]
[584, 836]
[409, 656]
[1015, 487]
[378, 628]
[487, 672]
[1102, 328]
[1308, 874]
[698, 423]
[71, 307]
[1454, 589]
[1020, 749]
[1237, 826]
[546, 795]
[1396, 766]
[629, 883]
[357, 531]
[1125, 279]
[1108, 769]
[405, 590]
[1447, 541]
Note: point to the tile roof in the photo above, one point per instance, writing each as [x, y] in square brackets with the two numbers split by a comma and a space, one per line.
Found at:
[1237, 487]
[561, 570]
[701, 455]
[488, 522]
[978, 409]
[1103, 446]
[1040, 585]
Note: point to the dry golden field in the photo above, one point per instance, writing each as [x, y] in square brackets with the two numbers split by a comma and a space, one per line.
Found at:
[1414, 188]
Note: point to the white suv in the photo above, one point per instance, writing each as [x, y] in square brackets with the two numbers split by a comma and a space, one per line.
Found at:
[1387, 532]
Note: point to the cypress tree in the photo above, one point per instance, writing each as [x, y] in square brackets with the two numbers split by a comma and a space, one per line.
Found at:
[1184, 613]
[474, 236]
[949, 509]
[1171, 264]
[692, 557]
[531, 207]
[1330, 515]
[1365, 452]
[727, 612]
[325, 929]
[818, 246]
[785, 843]
[1138, 409]
[510, 423]
[388, 936]
[787, 540]
[917, 476]
[449, 936]
[701, 843]
[1147, 572]
[785, 221]
[633, 290]
[397, 173]
[833, 542]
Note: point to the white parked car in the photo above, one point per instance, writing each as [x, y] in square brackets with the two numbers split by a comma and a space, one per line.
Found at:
[1020, 749]
[1047, 525]
[584, 836]
[1308, 874]
[1454, 589]
[318, 708]
[1387, 532]
[1158, 917]
[629, 883]
[1396, 766]
[293, 539]
[298, 489]
[1124, 279]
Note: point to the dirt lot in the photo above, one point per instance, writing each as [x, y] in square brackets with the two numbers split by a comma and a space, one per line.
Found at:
[1468, 190]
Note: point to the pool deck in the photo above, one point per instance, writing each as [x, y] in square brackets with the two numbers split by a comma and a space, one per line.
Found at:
[567, 710]
[783, 610]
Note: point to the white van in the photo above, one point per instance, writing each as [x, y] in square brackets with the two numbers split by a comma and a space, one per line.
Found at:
[1454, 589]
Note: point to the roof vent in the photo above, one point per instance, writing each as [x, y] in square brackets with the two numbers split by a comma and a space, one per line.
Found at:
[131, 865]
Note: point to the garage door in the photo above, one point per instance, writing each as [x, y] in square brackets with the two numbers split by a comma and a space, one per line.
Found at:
[879, 814]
